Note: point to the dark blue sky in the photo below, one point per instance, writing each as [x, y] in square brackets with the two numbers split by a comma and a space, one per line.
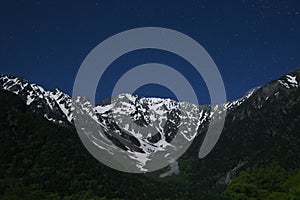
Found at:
[252, 42]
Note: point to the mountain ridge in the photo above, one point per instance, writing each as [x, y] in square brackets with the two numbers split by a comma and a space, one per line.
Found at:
[166, 118]
[122, 118]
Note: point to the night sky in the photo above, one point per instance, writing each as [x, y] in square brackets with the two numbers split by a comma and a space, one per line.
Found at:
[251, 42]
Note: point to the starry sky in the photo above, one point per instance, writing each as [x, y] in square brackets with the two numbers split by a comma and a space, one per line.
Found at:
[251, 42]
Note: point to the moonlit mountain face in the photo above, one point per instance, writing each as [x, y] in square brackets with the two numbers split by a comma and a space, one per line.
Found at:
[147, 131]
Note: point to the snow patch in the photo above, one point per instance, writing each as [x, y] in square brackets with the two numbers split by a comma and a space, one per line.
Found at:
[104, 109]
[291, 79]
[173, 169]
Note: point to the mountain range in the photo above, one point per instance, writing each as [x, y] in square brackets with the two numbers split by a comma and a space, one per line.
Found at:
[261, 128]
